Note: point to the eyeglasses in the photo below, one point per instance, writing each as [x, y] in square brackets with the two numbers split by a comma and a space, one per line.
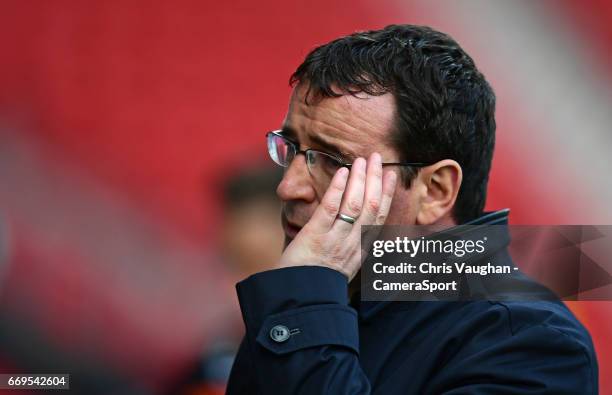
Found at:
[321, 165]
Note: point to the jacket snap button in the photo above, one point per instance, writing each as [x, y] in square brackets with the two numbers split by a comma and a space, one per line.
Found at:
[279, 333]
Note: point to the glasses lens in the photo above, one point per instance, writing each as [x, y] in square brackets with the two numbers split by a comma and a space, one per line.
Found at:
[280, 150]
[322, 166]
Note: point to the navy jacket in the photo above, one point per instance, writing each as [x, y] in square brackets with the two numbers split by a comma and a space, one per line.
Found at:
[304, 337]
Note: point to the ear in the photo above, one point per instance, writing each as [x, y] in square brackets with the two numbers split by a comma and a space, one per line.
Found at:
[441, 182]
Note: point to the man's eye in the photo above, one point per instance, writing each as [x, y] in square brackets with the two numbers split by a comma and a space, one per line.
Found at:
[329, 164]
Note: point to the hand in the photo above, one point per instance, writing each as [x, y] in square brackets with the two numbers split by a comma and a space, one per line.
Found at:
[331, 242]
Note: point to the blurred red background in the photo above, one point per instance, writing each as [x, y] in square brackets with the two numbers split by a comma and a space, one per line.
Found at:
[117, 119]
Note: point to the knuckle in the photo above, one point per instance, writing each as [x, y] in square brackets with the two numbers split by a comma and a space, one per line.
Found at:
[330, 208]
[381, 218]
[354, 206]
[373, 205]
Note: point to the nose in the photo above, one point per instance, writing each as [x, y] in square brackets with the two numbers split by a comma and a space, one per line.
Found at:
[296, 183]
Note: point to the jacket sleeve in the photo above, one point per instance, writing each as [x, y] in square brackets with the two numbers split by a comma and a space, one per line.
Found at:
[301, 335]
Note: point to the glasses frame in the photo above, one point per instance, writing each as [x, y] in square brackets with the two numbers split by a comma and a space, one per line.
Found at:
[296, 149]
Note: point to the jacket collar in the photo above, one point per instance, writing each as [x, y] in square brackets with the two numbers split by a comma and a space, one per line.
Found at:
[367, 309]
[491, 218]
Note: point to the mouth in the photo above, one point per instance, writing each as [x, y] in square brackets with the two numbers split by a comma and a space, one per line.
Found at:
[291, 229]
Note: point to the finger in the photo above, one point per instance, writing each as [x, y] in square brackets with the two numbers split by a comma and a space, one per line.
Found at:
[388, 190]
[352, 201]
[324, 216]
[373, 190]
[368, 234]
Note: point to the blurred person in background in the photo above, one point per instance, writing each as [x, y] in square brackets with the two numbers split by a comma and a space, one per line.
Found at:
[251, 235]
[251, 240]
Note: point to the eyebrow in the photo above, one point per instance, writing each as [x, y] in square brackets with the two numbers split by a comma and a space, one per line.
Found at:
[326, 146]
[289, 132]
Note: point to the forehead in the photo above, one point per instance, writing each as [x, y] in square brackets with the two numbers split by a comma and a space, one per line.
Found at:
[354, 122]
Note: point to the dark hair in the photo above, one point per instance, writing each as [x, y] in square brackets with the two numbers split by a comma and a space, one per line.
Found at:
[248, 185]
[445, 107]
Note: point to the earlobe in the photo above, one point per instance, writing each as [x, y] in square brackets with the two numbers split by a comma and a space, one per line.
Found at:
[442, 181]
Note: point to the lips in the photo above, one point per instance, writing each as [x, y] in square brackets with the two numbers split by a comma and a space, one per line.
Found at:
[291, 229]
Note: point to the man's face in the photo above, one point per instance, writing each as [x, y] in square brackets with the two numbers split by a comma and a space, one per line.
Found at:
[348, 127]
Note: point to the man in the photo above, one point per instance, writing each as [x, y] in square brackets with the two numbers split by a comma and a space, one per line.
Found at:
[408, 112]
